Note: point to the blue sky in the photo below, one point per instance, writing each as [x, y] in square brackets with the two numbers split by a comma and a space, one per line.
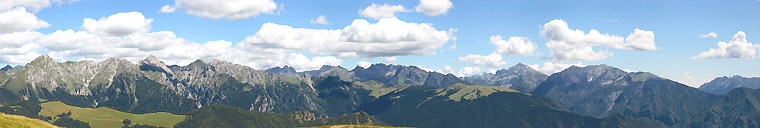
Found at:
[676, 28]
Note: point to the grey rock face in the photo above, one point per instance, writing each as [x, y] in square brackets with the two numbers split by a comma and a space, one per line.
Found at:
[520, 77]
[723, 85]
[204, 83]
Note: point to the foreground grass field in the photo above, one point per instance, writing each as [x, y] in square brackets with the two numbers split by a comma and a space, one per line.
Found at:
[354, 126]
[109, 118]
[15, 121]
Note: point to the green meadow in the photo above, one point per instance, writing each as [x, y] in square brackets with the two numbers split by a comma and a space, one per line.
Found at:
[103, 117]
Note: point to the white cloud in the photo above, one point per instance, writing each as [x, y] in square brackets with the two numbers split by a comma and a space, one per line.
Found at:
[390, 59]
[302, 63]
[446, 70]
[575, 45]
[492, 60]
[640, 40]
[434, 7]
[18, 19]
[168, 9]
[364, 64]
[228, 9]
[689, 80]
[23, 47]
[492, 71]
[118, 24]
[711, 35]
[320, 20]
[15, 48]
[463, 72]
[550, 68]
[376, 11]
[514, 45]
[32, 5]
[426, 69]
[468, 71]
[387, 37]
[738, 47]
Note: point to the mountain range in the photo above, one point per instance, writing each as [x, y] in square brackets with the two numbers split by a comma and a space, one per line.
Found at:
[723, 85]
[520, 96]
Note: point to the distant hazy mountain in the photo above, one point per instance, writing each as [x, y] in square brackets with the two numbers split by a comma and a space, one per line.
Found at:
[327, 70]
[723, 85]
[391, 75]
[395, 75]
[601, 90]
[520, 77]
[482, 106]
[284, 71]
[6, 68]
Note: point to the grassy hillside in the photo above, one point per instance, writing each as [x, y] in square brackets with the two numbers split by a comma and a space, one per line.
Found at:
[462, 91]
[15, 121]
[481, 106]
[353, 126]
[224, 116]
[109, 118]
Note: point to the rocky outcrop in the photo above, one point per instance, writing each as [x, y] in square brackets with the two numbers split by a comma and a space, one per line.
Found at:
[520, 77]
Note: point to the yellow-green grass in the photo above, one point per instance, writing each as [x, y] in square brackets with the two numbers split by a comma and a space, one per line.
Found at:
[377, 89]
[103, 117]
[15, 121]
[470, 91]
[354, 126]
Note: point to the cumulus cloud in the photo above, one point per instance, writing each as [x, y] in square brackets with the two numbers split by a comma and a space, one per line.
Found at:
[388, 37]
[19, 19]
[434, 7]
[376, 11]
[228, 9]
[32, 5]
[23, 47]
[118, 24]
[514, 45]
[463, 72]
[446, 70]
[550, 68]
[15, 48]
[320, 20]
[575, 45]
[492, 60]
[468, 71]
[738, 47]
[302, 63]
[640, 40]
[711, 35]
[364, 64]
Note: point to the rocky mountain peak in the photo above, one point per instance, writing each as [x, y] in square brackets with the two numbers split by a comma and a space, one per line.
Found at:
[328, 67]
[152, 63]
[43, 60]
[198, 63]
[116, 60]
[519, 69]
[283, 71]
[6, 68]
[285, 68]
[151, 60]
[722, 85]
